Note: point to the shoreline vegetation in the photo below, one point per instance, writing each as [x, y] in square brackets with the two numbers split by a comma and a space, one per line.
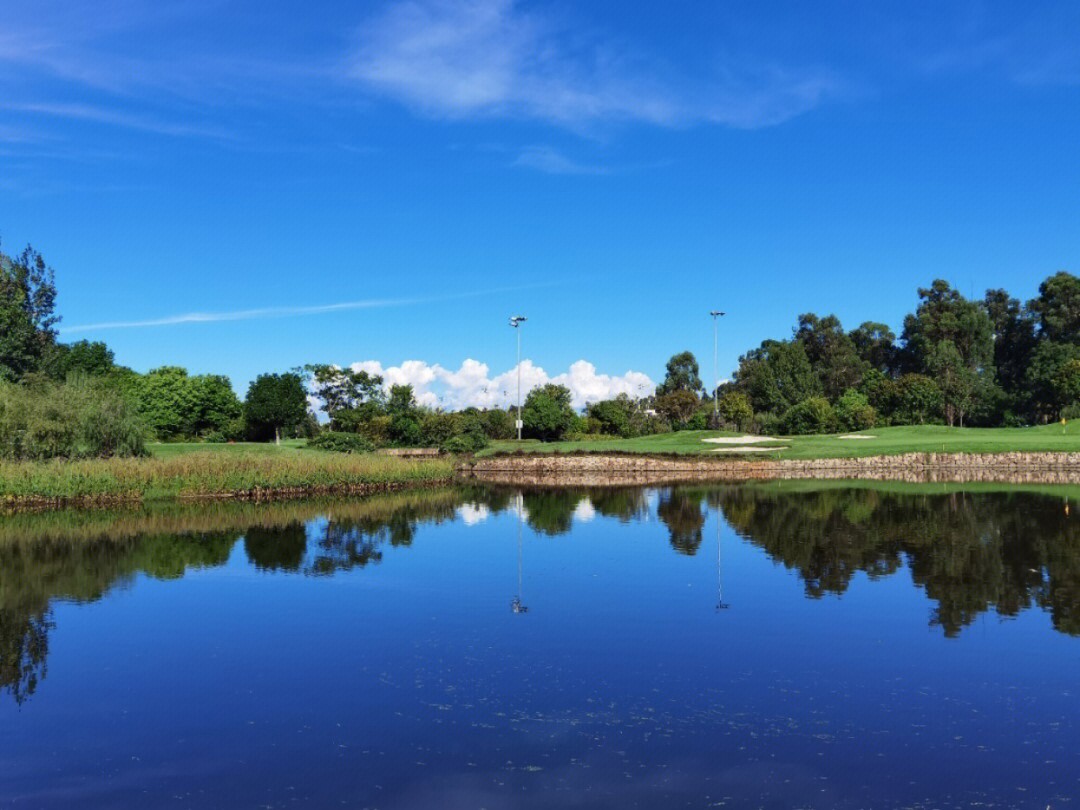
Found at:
[211, 474]
[192, 472]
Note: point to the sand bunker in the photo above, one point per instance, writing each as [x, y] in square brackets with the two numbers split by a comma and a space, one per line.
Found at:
[857, 436]
[749, 449]
[741, 439]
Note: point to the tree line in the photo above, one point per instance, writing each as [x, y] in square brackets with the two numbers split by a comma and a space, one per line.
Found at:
[993, 361]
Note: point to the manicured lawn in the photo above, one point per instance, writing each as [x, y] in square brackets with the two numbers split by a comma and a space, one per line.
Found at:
[885, 441]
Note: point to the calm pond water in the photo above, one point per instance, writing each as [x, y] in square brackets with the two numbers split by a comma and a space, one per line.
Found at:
[759, 646]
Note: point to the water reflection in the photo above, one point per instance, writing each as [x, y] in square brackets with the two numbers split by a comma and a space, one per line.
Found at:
[516, 605]
[970, 552]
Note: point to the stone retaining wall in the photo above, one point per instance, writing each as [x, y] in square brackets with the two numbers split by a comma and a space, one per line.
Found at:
[599, 469]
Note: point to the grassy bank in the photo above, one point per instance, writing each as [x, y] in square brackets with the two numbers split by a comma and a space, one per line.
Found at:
[212, 473]
[877, 442]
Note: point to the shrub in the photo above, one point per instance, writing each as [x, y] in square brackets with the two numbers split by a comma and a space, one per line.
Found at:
[812, 415]
[337, 442]
[767, 424]
[854, 411]
[1070, 412]
[459, 445]
[81, 418]
[735, 410]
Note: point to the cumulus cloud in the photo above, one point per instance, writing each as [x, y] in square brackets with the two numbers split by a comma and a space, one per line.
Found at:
[473, 385]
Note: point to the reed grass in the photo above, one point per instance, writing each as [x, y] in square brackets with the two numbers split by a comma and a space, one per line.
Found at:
[211, 475]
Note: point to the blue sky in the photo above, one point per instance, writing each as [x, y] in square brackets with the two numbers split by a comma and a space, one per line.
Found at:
[387, 182]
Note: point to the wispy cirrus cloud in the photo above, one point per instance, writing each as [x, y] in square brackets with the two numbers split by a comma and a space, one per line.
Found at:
[267, 313]
[492, 58]
[552, 161]
[112, 117]
[240, 315]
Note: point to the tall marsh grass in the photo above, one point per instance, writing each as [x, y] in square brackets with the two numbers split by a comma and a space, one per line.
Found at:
[210, 474]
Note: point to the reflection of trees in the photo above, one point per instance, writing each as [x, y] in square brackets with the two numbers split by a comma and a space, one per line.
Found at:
[551, 511]
[680, 510]
[35, 573]
[276, 548]
[624, 503]
[971, 552]
[81, 556]
[24, 645]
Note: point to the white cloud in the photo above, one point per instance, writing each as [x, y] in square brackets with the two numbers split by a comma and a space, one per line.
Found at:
[492, 58]
[551, 161]
[472, 384]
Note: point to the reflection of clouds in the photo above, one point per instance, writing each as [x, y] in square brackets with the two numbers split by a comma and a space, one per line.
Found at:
[473, 513]
[584, 511]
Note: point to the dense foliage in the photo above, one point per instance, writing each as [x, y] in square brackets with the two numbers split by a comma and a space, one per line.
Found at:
[79, 418]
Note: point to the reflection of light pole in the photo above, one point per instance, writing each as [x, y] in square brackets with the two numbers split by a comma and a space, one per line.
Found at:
[720, 603]
[716, 315]
[516, 321]
[515, 604]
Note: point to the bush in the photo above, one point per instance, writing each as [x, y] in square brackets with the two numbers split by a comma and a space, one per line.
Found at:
[1070, 412]
[337, 442]
[812, 415]
[459, 445]
[81, 418]
[735, 410]
[854, 411]
[767, 424]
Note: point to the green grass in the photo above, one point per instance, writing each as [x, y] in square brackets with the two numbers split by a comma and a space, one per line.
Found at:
[173, 449]
[212, 471]
[886, 441]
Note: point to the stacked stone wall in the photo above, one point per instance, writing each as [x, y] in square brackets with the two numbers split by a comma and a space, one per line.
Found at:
[600, 469]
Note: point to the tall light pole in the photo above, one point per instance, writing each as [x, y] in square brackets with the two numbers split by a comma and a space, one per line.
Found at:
[716, 316]
[516, 321]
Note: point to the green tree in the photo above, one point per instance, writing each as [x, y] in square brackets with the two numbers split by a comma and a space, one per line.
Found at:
[1067, 383]
[27, 313]
[1043, 376]
[217, 408]
[275, 402]
[875, 344]
[547, 413]
[1058, 308]
[955, 379]
[776, 376]
[918, 400]
[812, 415]
[344, 389]
[613, 415]
[682, 375]
[735, 409]
[831, 352]
[82, 357]
[167, 401]
[678, 407]
[1014, 344]
[944, 314]
[854, 411]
